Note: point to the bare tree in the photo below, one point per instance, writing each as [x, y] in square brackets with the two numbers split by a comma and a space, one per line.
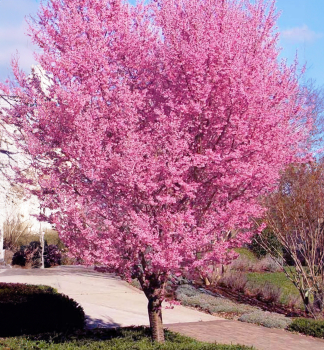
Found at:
[315, 98]
[295, 214]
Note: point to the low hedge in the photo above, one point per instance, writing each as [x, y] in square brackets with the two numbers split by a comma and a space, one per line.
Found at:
[30, 309]
[308, 326]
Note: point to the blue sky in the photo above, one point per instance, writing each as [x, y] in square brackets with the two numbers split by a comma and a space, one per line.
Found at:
[301, 26]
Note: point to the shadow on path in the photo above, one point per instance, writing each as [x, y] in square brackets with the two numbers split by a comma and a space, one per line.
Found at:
[92, 323]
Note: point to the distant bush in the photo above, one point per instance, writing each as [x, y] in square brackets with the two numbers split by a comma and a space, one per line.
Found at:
[236, 281]
[243, 264]
[30, 256]
[266, 319]
[267, 264]
[52, 256]
[307, 326]
[19, 258]
[267, 292]
[30, 309]
[294, 301]
[270, 240]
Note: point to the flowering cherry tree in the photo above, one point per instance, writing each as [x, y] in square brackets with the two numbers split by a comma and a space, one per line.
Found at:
[159, 126]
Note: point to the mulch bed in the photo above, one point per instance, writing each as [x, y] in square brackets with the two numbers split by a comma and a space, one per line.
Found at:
[241, 298]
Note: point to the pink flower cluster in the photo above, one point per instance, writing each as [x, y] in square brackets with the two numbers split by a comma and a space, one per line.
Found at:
[160, 126]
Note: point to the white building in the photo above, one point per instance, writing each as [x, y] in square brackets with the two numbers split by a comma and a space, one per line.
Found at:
[13, 202]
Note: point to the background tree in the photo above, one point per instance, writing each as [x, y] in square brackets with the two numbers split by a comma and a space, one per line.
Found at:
[315, 100]
[160, 126]
[296, 216]
[266, 238]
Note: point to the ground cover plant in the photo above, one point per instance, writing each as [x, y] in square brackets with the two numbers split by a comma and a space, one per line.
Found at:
[30, 309]
[308, 326]
[153, 130]
[191, 296]
[266, 319]
[136, 338]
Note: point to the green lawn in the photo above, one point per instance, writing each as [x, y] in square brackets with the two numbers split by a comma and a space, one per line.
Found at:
[120, 339]
[276, 278]
[246, 253]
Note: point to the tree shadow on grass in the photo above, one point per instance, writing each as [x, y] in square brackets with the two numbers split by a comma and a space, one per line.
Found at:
[98, 334]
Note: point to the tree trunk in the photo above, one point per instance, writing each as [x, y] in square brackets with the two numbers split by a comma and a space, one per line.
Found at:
[155, 316]
[318, 301]
[306, 304]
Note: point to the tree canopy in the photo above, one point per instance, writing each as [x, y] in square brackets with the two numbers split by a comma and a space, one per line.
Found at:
[159, 126]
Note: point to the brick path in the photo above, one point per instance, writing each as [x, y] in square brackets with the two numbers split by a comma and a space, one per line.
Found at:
[235, 332]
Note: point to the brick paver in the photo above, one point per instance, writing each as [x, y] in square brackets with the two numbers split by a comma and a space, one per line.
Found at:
[235, 332]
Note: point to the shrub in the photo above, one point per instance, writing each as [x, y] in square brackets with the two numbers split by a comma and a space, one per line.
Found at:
[266, 319]
[243, 264]
[234, 280]
[267, 264]
[308, 326]
[294, 301]
[254, 291]
[19, 258]
[258, 280]
[271, 293]
[30, 256]
[52, 256]
[30, 309]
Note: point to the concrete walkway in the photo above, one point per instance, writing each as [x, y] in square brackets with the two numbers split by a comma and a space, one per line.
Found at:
[106, 299]
[110, 302]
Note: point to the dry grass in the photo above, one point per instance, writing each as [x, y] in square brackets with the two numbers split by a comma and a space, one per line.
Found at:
[15, 229]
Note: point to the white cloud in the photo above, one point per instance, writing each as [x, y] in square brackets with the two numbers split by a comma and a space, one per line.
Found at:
[301, 34]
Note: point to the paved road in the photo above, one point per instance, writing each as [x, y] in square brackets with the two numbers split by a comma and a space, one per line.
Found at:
[111, 302]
